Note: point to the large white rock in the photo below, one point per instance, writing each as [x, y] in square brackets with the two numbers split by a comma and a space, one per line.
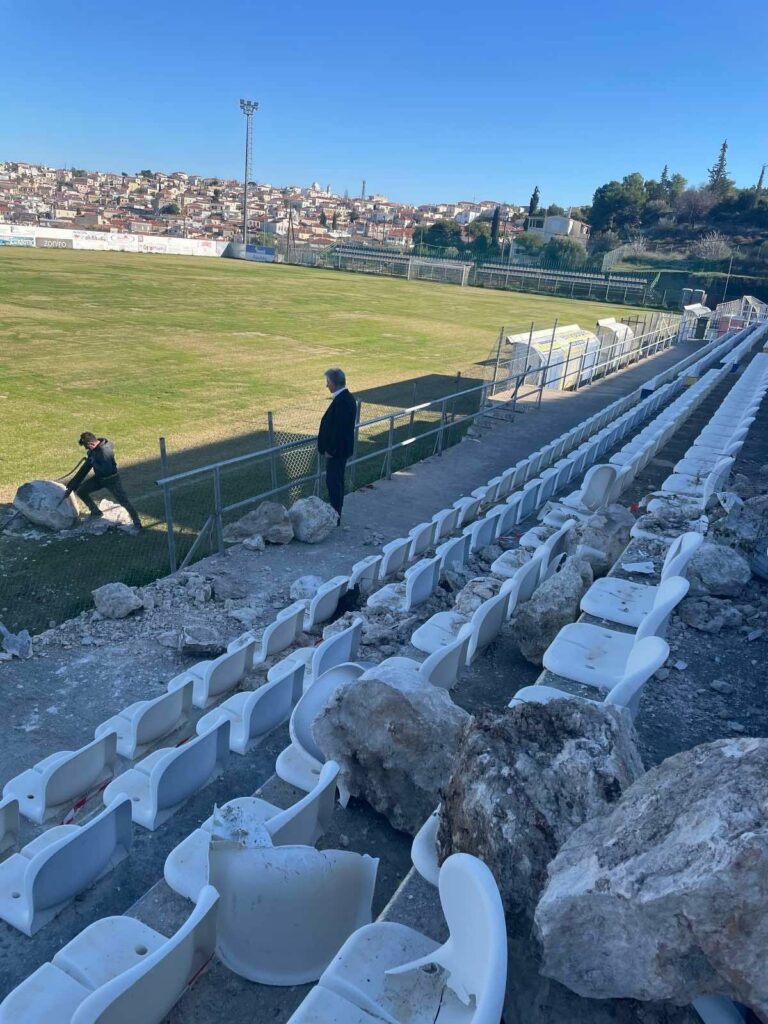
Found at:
[270, 521]
[312, 520]
[718, 570]
[116, 600]
[664, 897]
[395, 738]
[40, 501]
[553, 605]
[305, 587]
[603, 536]
[476, 592]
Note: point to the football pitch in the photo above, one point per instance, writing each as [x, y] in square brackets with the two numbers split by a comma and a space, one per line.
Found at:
[135, 347]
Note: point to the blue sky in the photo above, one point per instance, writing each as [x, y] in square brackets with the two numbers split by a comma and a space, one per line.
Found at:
[426, 100]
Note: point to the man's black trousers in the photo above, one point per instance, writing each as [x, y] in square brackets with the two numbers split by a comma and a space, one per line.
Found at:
[114, 485]
[334, 481]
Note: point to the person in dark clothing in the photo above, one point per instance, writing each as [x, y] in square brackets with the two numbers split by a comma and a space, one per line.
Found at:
[336, 437]
[100, 458]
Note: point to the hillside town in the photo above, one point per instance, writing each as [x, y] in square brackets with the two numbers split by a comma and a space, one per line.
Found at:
[191, 206]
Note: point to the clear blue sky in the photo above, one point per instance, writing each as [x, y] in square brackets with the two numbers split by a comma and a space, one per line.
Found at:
[427, 100]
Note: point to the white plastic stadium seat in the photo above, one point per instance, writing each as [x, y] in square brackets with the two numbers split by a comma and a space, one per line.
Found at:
[365, 573]
[443, 666]
[598, 656]
[382, 971]
[212, 678]
[422, 539]
[454, 553]
[334, 650]
[282, 633]
[447, 520]
[302, 824]
[9, 823]
[162, 781]
[324, 603]
[482, 532]
[395, 555]
[252, 714]
[49, 872]
[117, 970]
[141, 724]
[419, 585]
[59, 781]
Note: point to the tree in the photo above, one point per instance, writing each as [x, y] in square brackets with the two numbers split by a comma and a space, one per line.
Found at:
[677, 185]
[694, 204]
[146, 173]
[495, 228]
[323, 219]
[759, 185]
[713, 246]
[335, 221]
[171, 208]
[353, 215]
[534, 203]
[718, 183]
[440, 235]
[564, 250]
[530, 245]
[553, 210]
[664, 180]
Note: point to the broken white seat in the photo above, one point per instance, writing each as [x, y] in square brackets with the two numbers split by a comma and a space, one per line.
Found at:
[468, 508]
[593, 494]
[210, 679]
[419, 585]
[302, 824]
[598, 656]
[422, 539]
[482, 532]
[424, 849]
[49, 872]
[700, 464]
[117, 970]
[627, 602]
[394, 556]
[535, 537]
[646, 656]
[443, 628]
[283, 632]
[301, 762]
[454, 553]
[141, 724]
[324, 603]
[443, 666]
[10, 823]
[693, 486]
[160, 783]
[384, 969]
[365, 573]
[253, 714]
[334, 650]
[63, 779]
[552, 551]
[286, 910]
[446, 521]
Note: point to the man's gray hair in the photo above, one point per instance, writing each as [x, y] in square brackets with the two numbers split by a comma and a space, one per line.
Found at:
[336, 377]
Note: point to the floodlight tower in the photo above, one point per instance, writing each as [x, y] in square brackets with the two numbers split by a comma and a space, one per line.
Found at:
[249, 108]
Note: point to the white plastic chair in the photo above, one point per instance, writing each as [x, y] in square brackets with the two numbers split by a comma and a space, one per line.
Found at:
[454, 553]
[334, 650]
[507, 518]
[382, 970]
[693, 486]
[286, 910]
[447, 522]
[395, 555]
[468, 509]
[284, 631]
[424, 849]
[60, 780]
[717, 1010]
[117, 970]
[326, 600]
[37, 883]
[212, 678]
[647, 655]
[253, 714]
[419, 585]
[593, 494]
[141, 724]
[443, 666]
[159, 784]
[365, 573]
[482, 533]
[626, 602]
[302, 824]
[422, 539]
[598, 656]
[301, 762]
[552, 552]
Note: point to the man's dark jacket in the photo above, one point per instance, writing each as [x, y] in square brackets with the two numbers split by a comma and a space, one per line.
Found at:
[336, 436]
[100, 459]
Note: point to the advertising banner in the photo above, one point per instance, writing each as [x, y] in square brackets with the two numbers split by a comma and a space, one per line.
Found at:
[46, 242]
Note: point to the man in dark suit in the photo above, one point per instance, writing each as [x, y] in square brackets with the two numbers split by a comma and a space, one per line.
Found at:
[336, 436]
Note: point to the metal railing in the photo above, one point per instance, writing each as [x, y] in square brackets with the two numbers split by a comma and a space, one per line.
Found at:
[404, 430]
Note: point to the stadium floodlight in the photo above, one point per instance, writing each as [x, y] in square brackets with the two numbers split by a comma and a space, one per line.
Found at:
[249, 108]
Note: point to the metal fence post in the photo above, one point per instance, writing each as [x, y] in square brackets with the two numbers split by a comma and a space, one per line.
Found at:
[168, 508]
[318, 473]
[272, 456]
[390, 442]
[546, 368]
[217, 510]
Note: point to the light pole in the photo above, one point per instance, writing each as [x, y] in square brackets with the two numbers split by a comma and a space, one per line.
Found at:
[249, 108]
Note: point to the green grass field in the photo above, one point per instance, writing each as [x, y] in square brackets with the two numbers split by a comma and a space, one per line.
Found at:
[197, 350]
[136, 346]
